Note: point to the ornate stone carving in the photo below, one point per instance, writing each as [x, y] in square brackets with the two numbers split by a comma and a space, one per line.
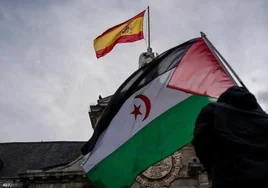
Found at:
[145, 58]
[163, 173]
[159, 170]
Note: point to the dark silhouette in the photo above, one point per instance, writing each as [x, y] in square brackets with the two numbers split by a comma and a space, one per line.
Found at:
[231, 140]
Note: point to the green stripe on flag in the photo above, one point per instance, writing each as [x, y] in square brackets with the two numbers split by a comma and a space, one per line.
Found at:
[160, 138]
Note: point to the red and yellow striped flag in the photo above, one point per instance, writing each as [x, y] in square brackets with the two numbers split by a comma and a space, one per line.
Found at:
[128, 31]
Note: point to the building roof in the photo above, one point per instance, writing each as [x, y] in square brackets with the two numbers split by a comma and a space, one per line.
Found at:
[18, 157]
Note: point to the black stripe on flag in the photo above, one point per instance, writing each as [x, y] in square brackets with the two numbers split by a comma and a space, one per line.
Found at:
[161, 64]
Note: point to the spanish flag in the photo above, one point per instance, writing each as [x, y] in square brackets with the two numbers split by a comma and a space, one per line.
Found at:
[128, 31]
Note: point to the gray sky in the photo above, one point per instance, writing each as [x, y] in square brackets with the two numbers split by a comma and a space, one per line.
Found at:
[49, 73]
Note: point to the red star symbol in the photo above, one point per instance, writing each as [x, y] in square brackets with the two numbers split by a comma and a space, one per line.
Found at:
[136, 111]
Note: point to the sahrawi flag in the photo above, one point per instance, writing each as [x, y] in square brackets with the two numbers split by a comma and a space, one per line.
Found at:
[153, 113]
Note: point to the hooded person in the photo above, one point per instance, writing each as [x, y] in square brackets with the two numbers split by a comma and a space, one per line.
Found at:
[231, 140]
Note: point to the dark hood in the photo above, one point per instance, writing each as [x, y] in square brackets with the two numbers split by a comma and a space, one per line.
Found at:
[239, 97]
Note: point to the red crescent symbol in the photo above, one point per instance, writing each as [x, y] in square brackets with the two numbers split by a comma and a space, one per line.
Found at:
[147, 103]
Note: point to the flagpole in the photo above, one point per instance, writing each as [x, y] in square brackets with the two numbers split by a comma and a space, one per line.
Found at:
[149, 49]
[213, 50]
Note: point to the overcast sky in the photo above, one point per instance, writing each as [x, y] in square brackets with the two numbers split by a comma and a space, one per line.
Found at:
[49, 73]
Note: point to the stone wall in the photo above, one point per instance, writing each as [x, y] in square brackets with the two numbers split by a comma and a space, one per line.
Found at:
[66, 176]
[60, 185]
[180, 170]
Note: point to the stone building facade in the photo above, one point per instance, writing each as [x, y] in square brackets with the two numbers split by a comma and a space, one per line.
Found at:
[58, 165]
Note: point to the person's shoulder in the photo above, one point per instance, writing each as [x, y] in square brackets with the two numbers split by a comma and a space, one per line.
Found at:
[209, 106]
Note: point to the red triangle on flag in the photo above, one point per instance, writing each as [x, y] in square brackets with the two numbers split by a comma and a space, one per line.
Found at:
[199, 72]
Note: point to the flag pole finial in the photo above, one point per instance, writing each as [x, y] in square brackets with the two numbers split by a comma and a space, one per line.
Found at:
[147, 57]
[202, 34]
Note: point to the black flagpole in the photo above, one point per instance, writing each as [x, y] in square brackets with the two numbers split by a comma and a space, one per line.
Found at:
[215, 53]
